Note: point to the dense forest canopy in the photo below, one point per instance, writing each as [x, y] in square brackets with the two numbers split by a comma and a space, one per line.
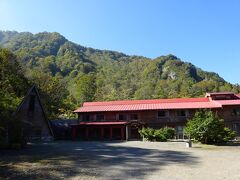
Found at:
[69, 74]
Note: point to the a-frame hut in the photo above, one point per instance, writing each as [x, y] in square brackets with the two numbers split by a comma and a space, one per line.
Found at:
[31, 112]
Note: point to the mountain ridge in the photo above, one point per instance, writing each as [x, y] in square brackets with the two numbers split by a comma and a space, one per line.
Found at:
[115, 75]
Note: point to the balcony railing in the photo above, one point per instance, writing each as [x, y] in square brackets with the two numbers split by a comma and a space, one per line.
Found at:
[156, 120]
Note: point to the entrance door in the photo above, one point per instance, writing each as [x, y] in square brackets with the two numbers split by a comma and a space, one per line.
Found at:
[134, 134]
[179, 132]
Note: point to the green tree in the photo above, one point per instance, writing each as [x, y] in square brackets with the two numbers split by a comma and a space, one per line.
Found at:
[206, 127]
[83, 88]
[13, 86]
[53, 92]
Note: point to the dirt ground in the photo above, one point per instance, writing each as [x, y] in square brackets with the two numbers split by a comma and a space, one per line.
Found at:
[120, 160]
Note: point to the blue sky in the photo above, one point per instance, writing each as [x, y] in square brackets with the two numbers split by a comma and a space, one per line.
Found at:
[203, 32]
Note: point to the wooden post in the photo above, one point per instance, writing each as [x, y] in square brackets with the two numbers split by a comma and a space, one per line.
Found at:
[102, 132]
[126, 132]
[122, 133]
[86, 133]
[111, 132]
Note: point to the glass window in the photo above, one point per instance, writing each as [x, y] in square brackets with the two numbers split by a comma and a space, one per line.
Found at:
[99, 117]
[236, 112]
[162, 113]
[181, 113]
[122, 117]
[86, 117]
[134, 117]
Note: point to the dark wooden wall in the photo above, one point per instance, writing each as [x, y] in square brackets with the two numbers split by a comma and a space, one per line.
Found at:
[36, 121]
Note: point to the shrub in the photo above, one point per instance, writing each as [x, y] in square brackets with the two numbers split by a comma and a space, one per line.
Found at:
[168, 132]
[228, 134]
[162, 134]
[159, 135]
[147, 133]
[207, 128]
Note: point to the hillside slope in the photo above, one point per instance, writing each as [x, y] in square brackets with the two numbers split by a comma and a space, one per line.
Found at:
[99, 75]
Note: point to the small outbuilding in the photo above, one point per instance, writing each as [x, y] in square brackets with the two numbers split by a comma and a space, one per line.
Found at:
[32, 114]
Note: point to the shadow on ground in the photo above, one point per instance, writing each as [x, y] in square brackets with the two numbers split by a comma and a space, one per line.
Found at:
[88, 160]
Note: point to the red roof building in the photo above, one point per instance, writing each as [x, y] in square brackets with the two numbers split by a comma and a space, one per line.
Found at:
[122, 119]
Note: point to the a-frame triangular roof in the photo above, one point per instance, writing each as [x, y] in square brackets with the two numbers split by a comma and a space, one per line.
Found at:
[34, 88]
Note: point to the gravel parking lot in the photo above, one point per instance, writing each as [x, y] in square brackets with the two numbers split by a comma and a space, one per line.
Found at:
[120, 160]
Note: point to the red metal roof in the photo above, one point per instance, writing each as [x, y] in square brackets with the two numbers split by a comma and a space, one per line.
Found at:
[219, 93]
[229, 102]
[150, 101]
[155, 104]
[103, 123]
[134, 105]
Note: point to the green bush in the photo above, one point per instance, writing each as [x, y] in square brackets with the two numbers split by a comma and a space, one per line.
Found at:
[228, 134]
[207, 128]
[162, 134]
[147, 133]
[168, 132]
[159, 136]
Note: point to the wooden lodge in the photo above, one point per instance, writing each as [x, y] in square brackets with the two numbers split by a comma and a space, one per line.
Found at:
[122, 119]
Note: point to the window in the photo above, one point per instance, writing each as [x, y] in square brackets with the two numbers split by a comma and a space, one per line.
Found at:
[122, 117]
[222, 97]
[236, 112]
[162, 114]
[31, 105]
[86, 117]
[134, 117]
[181, 113]
[99, 117]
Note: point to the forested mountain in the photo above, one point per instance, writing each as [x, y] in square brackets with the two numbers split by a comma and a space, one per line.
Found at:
[68, 74]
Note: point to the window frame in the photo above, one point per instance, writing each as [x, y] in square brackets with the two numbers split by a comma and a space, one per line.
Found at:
[236, 112]
[166, 114]
[101, 118]
[123, 115]
[133, 119]
[86, 117]
[178, 114]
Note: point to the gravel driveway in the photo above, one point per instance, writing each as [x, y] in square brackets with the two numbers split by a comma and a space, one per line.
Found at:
[120, 160]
